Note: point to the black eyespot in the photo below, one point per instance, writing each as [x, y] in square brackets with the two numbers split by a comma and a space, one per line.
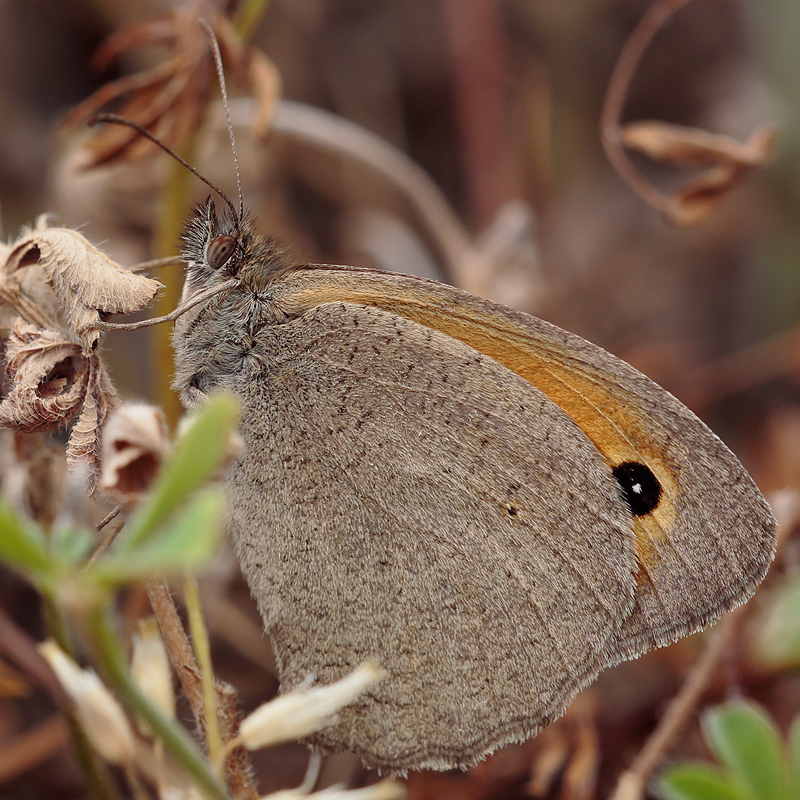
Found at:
[640, 487]
[219, 250]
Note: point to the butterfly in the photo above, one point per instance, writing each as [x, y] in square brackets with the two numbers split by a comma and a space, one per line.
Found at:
[492, 508]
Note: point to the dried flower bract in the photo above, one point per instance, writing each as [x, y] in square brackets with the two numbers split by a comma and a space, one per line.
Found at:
[135, 443]
[103, 719]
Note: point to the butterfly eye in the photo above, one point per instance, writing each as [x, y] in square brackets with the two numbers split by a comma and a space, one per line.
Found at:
[219, 250]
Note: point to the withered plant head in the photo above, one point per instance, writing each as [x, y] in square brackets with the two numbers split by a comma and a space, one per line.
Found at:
[170, 99]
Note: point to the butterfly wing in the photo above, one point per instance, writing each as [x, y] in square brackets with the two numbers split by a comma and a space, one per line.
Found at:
[704, 535]
[437, 481]
[406, 498]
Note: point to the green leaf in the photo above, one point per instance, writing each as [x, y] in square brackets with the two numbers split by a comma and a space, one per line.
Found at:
[198, 455]
[776, 643]
[793, 747]
[745, 740]
[695, 780]
[188, 543]
[22, 545]
[71, 545]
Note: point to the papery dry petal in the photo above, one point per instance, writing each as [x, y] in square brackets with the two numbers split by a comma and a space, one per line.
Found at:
[84, 278]
[83, 447]
[135, 443]
[150, 668]
[48, 377]
[305, 710]
[104, 721]
[686, 146]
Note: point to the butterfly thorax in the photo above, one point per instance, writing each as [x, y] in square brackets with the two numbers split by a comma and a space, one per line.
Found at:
[214, 339]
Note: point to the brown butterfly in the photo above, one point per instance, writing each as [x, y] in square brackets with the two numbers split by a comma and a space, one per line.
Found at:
[492, 508]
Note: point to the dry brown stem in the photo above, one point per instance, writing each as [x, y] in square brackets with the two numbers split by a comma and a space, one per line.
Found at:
[727, 160]
[632, 782]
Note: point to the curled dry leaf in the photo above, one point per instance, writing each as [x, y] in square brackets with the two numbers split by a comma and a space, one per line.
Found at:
[135, 443]
[47, 375]
[85, 280]
[170, 98]
[100, 399]
[51, 381]
[726, 161]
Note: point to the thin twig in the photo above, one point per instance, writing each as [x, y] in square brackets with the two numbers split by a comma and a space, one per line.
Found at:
[20, 650]
[334, 133]
[34, 746]
[616, 93]
[632, 782]
[106, 543]
[479, 63]
[181, 654]
[312, 774]
[177, 643]
[740, 370]
[107, 518]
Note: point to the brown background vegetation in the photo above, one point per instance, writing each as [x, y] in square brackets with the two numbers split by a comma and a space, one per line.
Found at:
[498, 102]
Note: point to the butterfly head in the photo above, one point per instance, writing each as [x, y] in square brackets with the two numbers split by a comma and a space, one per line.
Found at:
[214, 247]
[218, 247]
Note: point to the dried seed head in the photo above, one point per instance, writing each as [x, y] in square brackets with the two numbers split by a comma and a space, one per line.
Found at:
[134, 445]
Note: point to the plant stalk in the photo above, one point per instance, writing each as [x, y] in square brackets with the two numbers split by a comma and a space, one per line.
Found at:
[175, 739]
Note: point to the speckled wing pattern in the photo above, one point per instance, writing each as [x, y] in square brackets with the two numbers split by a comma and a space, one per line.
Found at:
[449, 486]
[405, 498]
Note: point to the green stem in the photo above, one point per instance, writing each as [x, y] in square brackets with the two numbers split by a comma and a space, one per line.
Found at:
[174, 206]
[175, 739]
[56, 623]
[202, 649]
[99, 783]
[248, 16]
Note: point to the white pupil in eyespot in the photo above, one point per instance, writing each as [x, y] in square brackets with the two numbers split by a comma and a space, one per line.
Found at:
[219, 250]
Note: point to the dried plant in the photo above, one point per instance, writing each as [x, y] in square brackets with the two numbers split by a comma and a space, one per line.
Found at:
[171, 98]
[53, 284]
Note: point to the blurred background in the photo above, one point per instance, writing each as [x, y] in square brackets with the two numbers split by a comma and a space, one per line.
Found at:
[498, 102]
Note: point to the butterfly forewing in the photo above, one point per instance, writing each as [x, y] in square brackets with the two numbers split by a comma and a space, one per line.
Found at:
[493, 508]
[405, 498]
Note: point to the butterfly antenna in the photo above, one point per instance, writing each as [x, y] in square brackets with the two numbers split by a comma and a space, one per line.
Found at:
[223, 89]
[116, 119]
